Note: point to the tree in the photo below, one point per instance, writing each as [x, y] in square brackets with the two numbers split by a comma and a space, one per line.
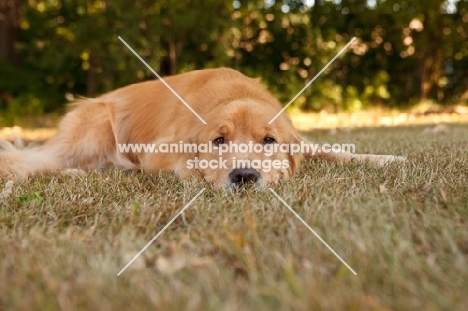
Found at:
[405, 50]
[9, 30]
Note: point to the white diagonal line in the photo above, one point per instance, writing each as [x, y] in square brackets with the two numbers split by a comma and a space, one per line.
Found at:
[162, 80]
[312, 230]
[313, 79]
[160, 232]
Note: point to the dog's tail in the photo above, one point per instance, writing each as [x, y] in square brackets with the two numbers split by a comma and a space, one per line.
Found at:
[18, 162]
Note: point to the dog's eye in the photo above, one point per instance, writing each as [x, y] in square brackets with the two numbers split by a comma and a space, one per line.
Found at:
[218, 141]
[269, 140]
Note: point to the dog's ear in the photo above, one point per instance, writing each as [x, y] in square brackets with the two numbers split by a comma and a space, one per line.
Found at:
[196, 138]
[295, 158]
[193, 151]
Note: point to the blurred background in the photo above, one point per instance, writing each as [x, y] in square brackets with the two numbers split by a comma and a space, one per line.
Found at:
[409, 53]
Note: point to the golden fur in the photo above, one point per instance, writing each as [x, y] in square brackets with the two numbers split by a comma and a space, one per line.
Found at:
[234, 106]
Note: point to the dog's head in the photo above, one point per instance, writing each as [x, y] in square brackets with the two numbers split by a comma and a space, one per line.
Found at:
[245, 148]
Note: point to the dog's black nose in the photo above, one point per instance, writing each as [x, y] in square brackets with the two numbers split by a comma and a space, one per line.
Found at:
[244, 176]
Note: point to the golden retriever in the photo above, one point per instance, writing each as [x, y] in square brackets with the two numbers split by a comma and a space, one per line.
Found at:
[236, 108]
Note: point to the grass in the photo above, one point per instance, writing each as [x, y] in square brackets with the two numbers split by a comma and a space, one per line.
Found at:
[403, 228]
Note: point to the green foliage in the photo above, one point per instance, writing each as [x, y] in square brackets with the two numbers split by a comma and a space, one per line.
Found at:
[22, 94]
[406, 50]
[36, 196]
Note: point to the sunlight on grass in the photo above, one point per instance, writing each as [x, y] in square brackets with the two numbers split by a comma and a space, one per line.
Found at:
[302, 121]
[310, 121]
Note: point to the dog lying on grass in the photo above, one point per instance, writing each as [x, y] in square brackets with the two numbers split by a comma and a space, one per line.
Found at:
[101, 132]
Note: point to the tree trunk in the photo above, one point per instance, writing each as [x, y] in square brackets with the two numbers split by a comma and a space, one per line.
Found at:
[169, 63]
[92, 79]
[9, 30]
[425, 83]
[172, 57]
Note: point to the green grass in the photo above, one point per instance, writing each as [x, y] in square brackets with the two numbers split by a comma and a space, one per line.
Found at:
[403, 228]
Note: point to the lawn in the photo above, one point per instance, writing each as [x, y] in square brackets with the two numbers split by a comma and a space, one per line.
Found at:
[402, 228]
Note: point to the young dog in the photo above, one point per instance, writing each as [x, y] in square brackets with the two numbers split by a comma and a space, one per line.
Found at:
[236, 109]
